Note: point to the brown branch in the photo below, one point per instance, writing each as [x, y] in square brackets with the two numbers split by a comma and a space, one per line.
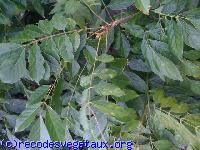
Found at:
[104, 29]
[121, 21]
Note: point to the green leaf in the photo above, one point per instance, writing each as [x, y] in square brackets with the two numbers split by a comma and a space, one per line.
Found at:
[59, 22]
[159, 64]
[192, 4]
[38, 95]
[83, 110]
[170, 7]
[85, 81]
[106, 89]
[162, 121]
[27, 117]
[130, 125]
[36, 63]
[113, 110]
[118, 63]
[190, 69]
[121, 80]
[68, 136]
[193, 16]
[193, 119]
[83, 118]
[138, 65]
[122, 45]
[136, 81]
[75, 39]
[191, 35]
[119, 4]
[169, 102]
[39, 132]
[105, 58]
[69, 7]
[106, 74]
[71, 24]
[161, 48]
[180, 108]
[53, 63]
[46, 26]
[47, 71]
[192, 85]
[49, 48]
[84, 97]
[54, 125]
[134, 29]
[89, 54]
[129, 95]
[56, 102]
[192, 54]
[30, 33]
[175, 39]
[75, 67]
[65, 48]
[156, 31]
[163, 145]
[12, 62]
[38, 7]
[143, 5]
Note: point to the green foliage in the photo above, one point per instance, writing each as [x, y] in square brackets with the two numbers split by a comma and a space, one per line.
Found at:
[115, 111]
[39, 131]
[36, 63]
[162, 121]
[163, 145]
[175, 39]
[37, 95]
[106, 89]
[159, 64]
[143, 5]
[27, 117]
[169, 102]
[119, 5]
[105, 58]
[13, 65]
[106, 74]
[101, 70]
[54, 124]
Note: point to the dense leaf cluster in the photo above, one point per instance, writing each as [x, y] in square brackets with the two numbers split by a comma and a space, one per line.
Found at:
[101, 70]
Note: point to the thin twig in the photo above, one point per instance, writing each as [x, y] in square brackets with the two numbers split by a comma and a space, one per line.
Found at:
[98, 124]
[146, 110]
[107, 10]
[79, 77]
[94, 12]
